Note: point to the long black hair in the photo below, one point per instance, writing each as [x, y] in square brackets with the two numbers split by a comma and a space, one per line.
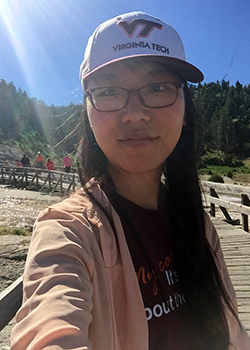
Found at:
[193, 257]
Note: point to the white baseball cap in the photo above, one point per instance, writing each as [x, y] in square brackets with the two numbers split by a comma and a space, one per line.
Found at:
[137, 34]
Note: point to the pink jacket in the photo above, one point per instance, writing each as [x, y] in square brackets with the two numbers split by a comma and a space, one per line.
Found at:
[80, 287]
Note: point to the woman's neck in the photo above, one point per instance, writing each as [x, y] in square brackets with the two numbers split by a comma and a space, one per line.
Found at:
[141, 189]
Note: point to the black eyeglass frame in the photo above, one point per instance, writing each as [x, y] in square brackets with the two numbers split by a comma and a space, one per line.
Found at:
[88, 94]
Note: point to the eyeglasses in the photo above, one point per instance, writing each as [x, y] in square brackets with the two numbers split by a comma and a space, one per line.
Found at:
[155, 95]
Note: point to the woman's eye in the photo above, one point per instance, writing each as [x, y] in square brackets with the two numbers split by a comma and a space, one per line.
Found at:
[157, 88]
[108, 92]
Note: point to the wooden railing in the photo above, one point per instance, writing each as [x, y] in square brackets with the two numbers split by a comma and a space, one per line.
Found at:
[10, 299]
[212, 195]
[39, 179]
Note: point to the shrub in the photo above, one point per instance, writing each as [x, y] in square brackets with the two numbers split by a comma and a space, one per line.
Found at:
[17, 231]
[229, 173]
[244, 169]
[205, 171]
[216, 178]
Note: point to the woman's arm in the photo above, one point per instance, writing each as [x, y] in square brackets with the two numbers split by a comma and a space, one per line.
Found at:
[57, 299]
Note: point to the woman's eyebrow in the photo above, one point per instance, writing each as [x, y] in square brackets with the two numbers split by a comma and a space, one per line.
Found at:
[105, 77]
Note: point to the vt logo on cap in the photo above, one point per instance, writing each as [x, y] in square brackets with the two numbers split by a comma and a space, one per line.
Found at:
[147, 27]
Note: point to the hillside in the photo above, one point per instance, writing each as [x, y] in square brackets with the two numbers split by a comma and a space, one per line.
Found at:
[10, 154]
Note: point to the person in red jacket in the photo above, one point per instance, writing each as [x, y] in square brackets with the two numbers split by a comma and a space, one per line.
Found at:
[18, 163]
[67, 163]
[39, 161]
[50, 166]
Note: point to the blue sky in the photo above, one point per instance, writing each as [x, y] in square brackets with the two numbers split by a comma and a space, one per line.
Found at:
[42, 42]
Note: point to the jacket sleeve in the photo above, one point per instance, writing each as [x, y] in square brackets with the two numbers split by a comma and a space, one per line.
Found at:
[239, 339]
[57, 294]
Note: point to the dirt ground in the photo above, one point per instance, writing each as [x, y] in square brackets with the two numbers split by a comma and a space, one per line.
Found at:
[19, 208]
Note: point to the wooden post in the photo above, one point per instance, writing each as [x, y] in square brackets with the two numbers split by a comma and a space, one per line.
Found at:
[212, 205]
[2, 176]
[224, 210]
[10, 175]
[245, 201]
[49, 175]
[61, 184]
[14, 176]
[37, 187]
[26, 177]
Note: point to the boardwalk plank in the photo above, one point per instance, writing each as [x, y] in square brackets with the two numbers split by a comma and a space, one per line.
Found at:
[235, 244]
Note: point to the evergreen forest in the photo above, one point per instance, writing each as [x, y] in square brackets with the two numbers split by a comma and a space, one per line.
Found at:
[224, 115]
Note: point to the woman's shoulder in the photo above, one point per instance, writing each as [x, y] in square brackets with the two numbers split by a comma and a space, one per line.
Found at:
[76, 218]
[84, 204]
[77, 202]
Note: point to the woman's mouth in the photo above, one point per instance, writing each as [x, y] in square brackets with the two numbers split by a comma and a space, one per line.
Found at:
[137, 140]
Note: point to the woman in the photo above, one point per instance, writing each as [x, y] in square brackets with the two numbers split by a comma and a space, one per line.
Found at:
[131, 261]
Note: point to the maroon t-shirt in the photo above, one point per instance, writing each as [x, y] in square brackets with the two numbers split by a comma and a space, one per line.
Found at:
[165, 304]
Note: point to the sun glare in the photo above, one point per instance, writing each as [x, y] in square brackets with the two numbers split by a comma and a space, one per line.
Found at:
[27, 27]
[37, 34]
[14, 27]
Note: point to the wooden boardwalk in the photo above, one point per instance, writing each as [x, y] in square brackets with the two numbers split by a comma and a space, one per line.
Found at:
[235, 244]
[39, 179]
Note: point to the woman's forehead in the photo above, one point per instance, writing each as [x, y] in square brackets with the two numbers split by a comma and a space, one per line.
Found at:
[116, 70]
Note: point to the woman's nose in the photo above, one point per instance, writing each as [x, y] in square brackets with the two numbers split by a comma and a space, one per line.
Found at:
[135, 111]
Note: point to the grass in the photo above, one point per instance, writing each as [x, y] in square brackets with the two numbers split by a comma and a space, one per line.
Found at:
[218, 170]
[240, 177]
[16, 231]
[247, 162]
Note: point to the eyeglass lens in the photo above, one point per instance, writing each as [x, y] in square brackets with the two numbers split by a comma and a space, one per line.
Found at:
[155, 95]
